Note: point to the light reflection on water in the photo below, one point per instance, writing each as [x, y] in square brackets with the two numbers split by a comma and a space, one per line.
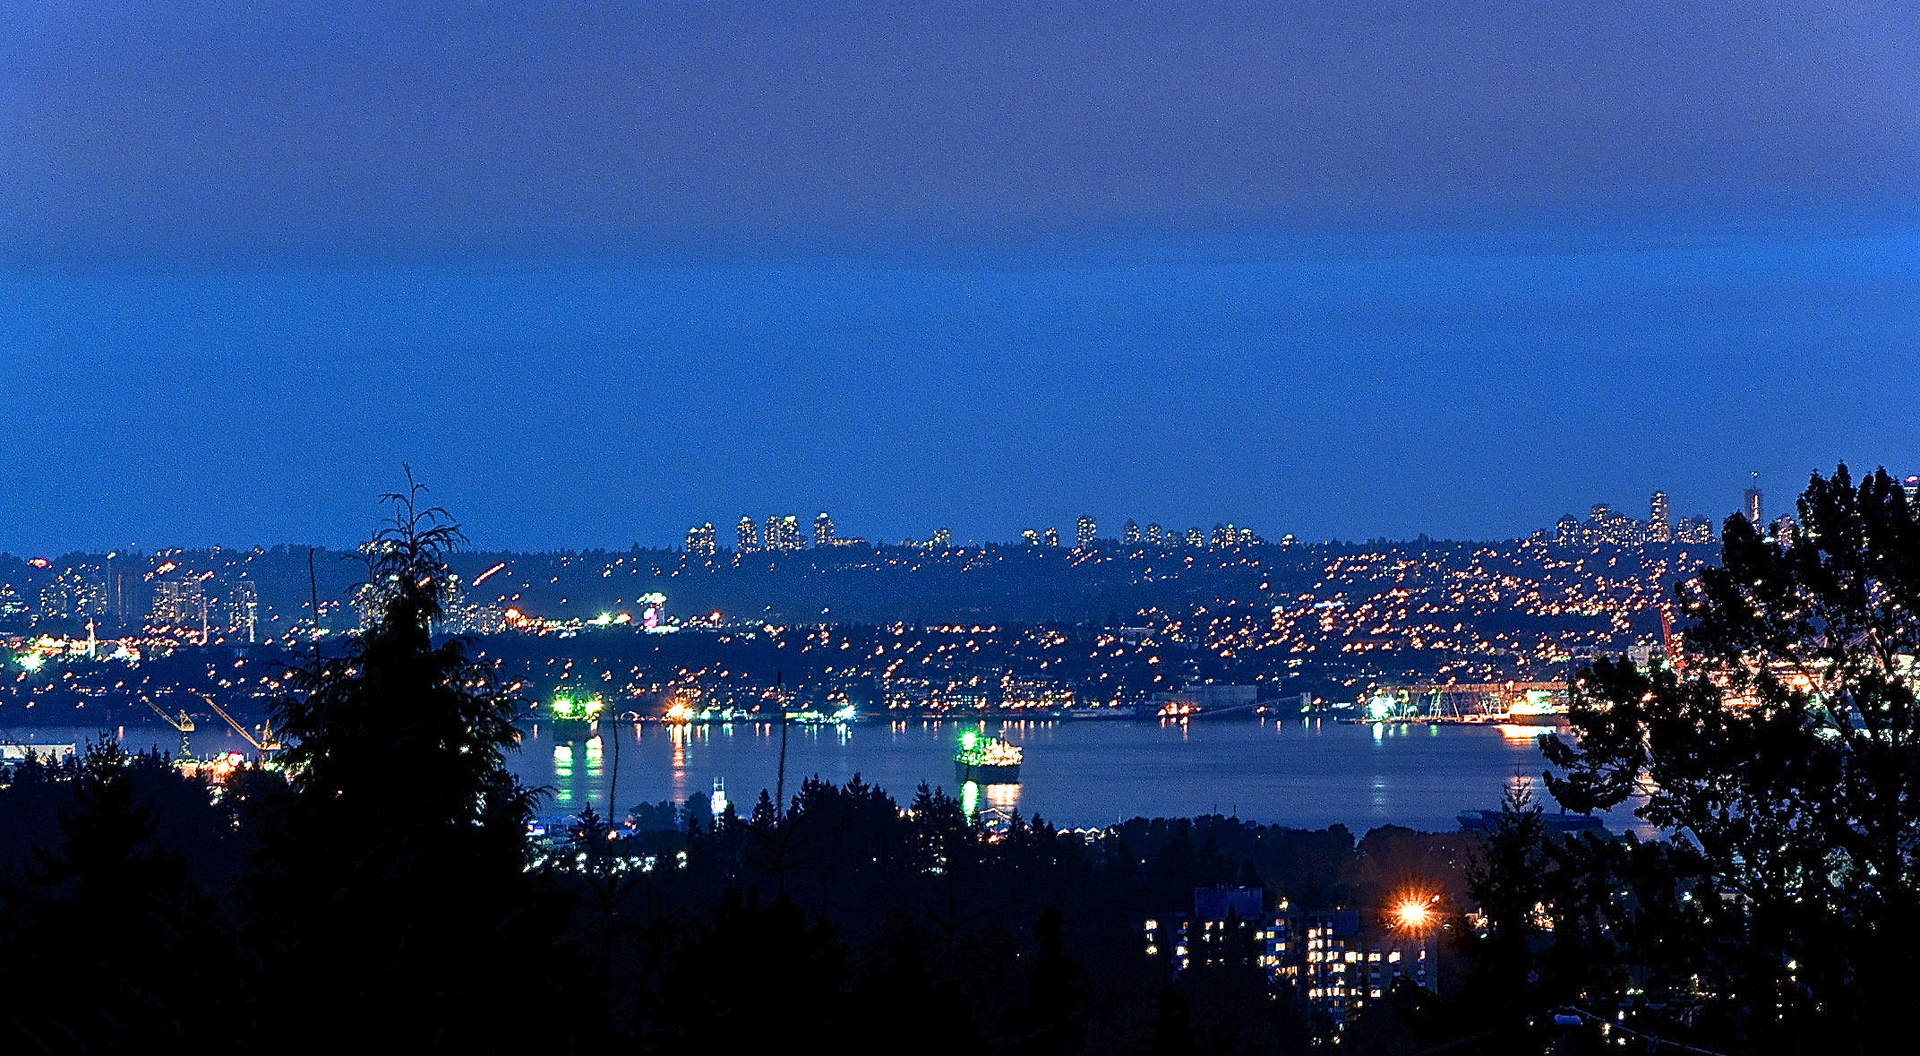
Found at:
[1088, 772]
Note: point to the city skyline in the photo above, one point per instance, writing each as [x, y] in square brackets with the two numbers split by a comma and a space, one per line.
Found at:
[803, 531]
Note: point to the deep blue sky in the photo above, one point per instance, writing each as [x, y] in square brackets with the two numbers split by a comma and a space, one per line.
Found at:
[601, 270]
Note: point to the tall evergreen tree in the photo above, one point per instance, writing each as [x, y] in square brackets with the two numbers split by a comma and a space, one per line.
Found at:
[1786, 756]
[394, 881]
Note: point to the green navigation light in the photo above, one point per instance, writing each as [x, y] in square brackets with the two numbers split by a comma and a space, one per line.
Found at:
[567, 706]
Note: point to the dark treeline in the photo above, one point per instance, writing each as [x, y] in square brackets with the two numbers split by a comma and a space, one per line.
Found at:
[381, 890]
[139, 909]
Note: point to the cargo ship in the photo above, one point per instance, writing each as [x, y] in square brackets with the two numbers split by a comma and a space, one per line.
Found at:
[1535, 708]
[986, 760]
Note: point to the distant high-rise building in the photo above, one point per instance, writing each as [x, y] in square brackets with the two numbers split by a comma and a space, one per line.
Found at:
[1130, 533]
[180, 603]
[1611, 527]
[943, 539]
[1784, 528]
[12, 605]
[701, 540]
[126, 596]
[1660, 518]
[783, 533]
[1750, 506]
[1223, 536]
[749, 536]
[74, 595]
[1156, 535]
[1052, 537]
[1693, 530]
[1083, 532]
[823, 530]
[1195, 539]
[240, 609]
[1566, 531]
[1030, 537]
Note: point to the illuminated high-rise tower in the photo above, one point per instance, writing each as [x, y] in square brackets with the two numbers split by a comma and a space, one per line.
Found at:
[749, 536]
[242, 609]
[180, 603]
[1156, 535]
[1130, 533]
[126, 596]
[823, 530]
[701, 540]
[783, 533]
[943, 538]
[1052, 537]
[1660, 518]
[1750, 506]
[1083, 532]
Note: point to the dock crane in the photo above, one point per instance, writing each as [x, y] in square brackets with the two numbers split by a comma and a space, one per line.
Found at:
[264, 743]
[1674, 657]
[183, 724]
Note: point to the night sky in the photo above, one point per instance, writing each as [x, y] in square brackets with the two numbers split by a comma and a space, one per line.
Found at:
[603, 270]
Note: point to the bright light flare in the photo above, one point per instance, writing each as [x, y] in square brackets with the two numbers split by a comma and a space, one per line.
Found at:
[1415, 914]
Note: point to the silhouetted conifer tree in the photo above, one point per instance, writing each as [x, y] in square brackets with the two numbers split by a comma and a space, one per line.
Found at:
[393, 891]
[1785, 761]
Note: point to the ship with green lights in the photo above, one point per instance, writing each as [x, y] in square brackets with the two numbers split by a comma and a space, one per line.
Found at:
[986, 760]
[573, 716]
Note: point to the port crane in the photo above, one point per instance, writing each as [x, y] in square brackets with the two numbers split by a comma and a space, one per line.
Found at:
[1674, 658]
[183, 724]
[264, 743]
